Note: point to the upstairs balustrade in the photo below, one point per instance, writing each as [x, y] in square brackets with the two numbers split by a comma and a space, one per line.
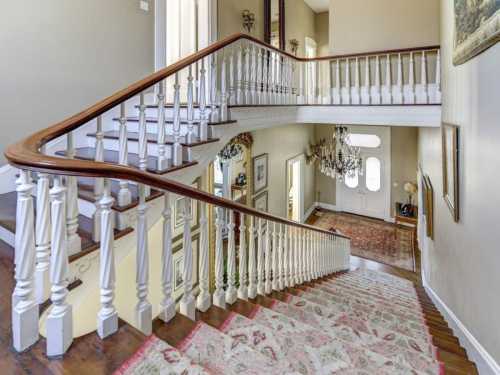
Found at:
[270, 253]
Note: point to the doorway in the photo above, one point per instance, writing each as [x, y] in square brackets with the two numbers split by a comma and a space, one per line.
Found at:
[295, 188]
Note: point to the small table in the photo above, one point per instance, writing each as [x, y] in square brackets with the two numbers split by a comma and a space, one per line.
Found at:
[408, 221]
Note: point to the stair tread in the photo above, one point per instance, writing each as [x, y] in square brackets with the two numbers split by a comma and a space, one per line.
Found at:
[88, 153]
[153, 138]
[150, 119]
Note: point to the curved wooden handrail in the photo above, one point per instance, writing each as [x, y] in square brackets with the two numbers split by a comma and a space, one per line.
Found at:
[26, 153]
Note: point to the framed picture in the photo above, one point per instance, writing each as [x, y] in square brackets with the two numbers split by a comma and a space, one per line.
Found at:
[450, 167]
[178, 267]
[177, 203]
[260, 173]
[428, 196]
[477, 27]
[260, 202]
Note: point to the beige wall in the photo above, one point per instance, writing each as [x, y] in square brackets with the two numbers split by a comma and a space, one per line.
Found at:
[325, 186]
[283, 143]
[461, 264]
[60, 56]
[404, 162]
[361, 25]
[229, 17]
[322, 35]
[299, 23]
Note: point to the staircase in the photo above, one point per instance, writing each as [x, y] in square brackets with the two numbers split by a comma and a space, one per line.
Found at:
[120, 179]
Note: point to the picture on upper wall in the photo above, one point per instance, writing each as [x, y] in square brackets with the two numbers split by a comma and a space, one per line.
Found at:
[260, 202]
[450, 167]
[477, 27]
[260, 173]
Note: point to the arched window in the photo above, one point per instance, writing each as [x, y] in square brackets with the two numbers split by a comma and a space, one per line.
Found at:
[364, 140]
[373, 172]
[352, 181]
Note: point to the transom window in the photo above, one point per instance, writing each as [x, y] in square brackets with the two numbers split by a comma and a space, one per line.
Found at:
[364, 140]
[373, 171]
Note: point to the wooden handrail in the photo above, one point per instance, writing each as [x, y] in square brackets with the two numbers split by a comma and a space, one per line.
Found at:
[26, 155]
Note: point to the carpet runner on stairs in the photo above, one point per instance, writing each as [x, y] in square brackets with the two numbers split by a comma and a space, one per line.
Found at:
[361, 322]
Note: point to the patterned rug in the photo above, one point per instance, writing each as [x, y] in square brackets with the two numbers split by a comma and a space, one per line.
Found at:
[371, 238]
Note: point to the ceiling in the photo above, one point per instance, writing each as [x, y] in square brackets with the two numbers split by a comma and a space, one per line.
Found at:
[318, 5]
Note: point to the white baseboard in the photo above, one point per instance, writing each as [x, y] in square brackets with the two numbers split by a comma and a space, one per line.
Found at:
[485, 363]
[326, 206]
[309, 212]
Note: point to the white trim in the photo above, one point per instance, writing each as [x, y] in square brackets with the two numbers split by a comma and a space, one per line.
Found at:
[301, 159]
[7, 236]
[160, 52]
[326, 206]
[309, 212]
[484, 361]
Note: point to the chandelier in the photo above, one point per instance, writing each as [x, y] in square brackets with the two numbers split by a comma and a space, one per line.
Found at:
[336, 157]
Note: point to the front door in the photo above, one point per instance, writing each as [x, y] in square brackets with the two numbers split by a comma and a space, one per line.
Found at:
[368, 193]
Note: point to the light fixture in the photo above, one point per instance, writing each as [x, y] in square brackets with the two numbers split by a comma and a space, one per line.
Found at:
[294, 46]
[248, 20]
[336, 157]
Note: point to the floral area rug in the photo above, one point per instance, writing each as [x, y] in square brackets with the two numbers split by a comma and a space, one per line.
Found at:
[371, 238]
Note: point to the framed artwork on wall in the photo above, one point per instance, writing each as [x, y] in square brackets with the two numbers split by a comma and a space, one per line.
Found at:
[428, 201]
[177, 203]
[260, 172]
[450, 142]
[178, 267]
[260, 202]
[477, 27]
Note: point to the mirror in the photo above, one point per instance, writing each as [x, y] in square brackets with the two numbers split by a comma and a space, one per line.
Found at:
[274, 23]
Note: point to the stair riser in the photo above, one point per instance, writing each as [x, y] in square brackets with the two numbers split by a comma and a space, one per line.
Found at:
[153, 128]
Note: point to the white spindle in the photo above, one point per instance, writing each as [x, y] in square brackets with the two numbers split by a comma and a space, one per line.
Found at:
[268, 256]
[253, 76]
[239, 74]
[60, 318]
[291, 257]
[248, 99]
[124, 194]
[42, 238]
[260, 259]
[98, 182]
[265, 77]
[411, 80]
[187, 305]
[423, 78]
[280, 274]
[388, 80]
[167, 305]
[213, 88]
[231, 294]
[348, 81]
[337, 93]
[204, 298]
[143, 140]
[438, 77]
[190, 136]
[107, 318]
[219, 297]
[377, 99]
[243, 288]
[252, 269]
[398, 97]
[295, 261]
[143, 310]
[223, 90]
[259, 76]
[275, 260]
[161, 131]
[307, 254]
[232, 88]
[357, 93]
[24, 307]
[177, 147]
[74, 241]
[301, 256]
[203, 131]
[286, 255]
[367, 99]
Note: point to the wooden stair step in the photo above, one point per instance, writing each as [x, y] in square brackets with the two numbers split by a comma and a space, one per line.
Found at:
[153, 138]
[88, 153]
[171, 121]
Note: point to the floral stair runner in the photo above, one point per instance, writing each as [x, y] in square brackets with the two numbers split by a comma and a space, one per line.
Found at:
[361, 322]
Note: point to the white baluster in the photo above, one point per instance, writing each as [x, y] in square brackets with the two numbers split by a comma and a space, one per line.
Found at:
[190, 136]
[187, 305]
[204, 298]
[367, 98]
[213, 89]
[268, 256]
[107, 318]
[286, 255]
[388, 81]
[167, 305]
[252, 269]
[253, 76]
[301, 256]
[295, 261]
[307, 254]
[124, 194]
[24, 307]
[60, 318]
[232, 88]
[315, 254]
[438, 77]
[162, 163]
[423, 79]
[143, 310]
[357, 94]
[337, 92]
[223, 114]
[203, 131]
[411, 81]
[291, 257]
[300, 99]
[239, 75]
[398, 96]
[260, 260]
[280, 274]
[143, 140]
[74, 241]
[275, 260]
[348, 81]
[219, 297]
[243, 288]
[231, 261]
[265, 78]
[259, 77]
[377, 99]
[248, 99]
[177, 147]
[98, 182]
[42, 238]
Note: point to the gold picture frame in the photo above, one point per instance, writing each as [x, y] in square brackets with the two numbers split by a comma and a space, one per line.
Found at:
[450, 161]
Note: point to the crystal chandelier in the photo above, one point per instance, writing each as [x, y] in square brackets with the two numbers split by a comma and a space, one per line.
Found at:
[336, 157]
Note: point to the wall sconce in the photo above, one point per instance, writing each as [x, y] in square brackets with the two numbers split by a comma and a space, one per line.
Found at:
[248, 20]
[294, 46]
